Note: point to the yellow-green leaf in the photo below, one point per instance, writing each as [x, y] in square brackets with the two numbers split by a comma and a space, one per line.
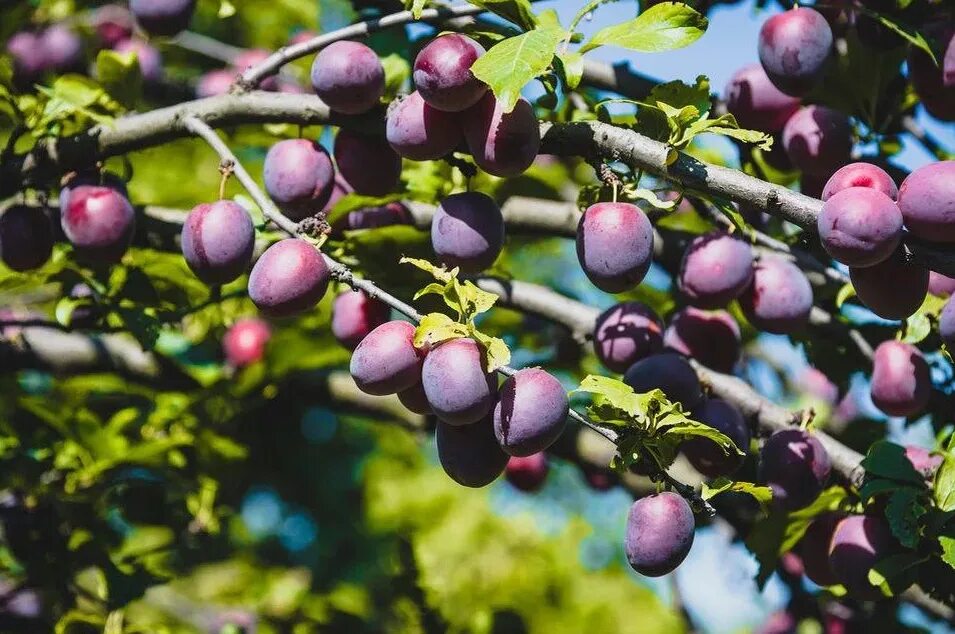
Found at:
[513, 62]
[662, 27]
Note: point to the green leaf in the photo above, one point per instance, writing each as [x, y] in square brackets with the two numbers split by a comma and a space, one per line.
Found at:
[908, 33]
[437, 327]
[846, 292]
[679, 94]
[887, 460]
[919, 325]
[397, 72]
[120, 75]
[573, 65]
[226, 10]
[616, 393]
[894, 574]
[948, 549]
[416, 7]
[662, 27]
[651, 197]
[516, 11]
[512, 63]
[497, 354]
[903, 511]
[761, 494]
[944, 488]
[879, 486]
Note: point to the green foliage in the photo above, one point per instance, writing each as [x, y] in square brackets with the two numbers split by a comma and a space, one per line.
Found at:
[662, 27]
[763, 495]
[513, 62]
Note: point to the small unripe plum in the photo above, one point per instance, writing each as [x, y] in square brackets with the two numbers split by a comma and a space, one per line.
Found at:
[289, 278]
[470, 454]
[660, 532]
[860, 175]
[669, 372]
[814, 549]
[892, 289]
[217, 241]
[626, 333]
[28, 60]
[940, 285]
[369, 164]
[927, 202]
[244, 343]
[756, 103]
[354, 315]
[415, 399]
[780, 297]
[387, 361]
[419, 132]
[794, 48]
[715, 270]
[62, 48]
[858, 543]
[531, 412]
[901, 384]
[615, 245]
[923, 461]
[442, 73]
[26, 237]
[467, 231]
[502, 143]
[150, 61]
[349, 77]
[99, 222]
[860, 226]
[527, 473]
[299, 177]
[818, 140]
[935, 83]
[706, 456]
[162, 17]
[710, 337]
[795, 465]
[459, 389]
[214, 83]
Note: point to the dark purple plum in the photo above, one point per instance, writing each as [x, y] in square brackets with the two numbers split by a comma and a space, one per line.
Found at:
[415, 399]
[442, 73]
[818, 140]
[349, 77]
[470, 454]
[626, 333]
[599, 478]
[860, 175]
[459, 389]
[660, 532]
[892, 289]
[419, 132]
[150, 61]
[467, 231]
[90, 177]
[940, 285]
[946, 324]
[858, 543]
[62, 48]
[387, 361]
[288, 279]
[795, 465]
[214, 83]
[813, 549]
[531, 412]
[354, 315]
[901, 384]
[26, 237]
[715, 270]
[859, 226]
[780, 297]
[794, 49]
[527, 473]
[706, 456]
[669, 372]
[923, 461]
[162, 17]
[99, 222]
[299, 177]
[502, 143]
[217, 241]
[244, 342]
[367, 163]
[710, 337]
[28, 60]
[394, 213]
[615, 245]
[927, 202]
[935, 84]
[756, 103]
